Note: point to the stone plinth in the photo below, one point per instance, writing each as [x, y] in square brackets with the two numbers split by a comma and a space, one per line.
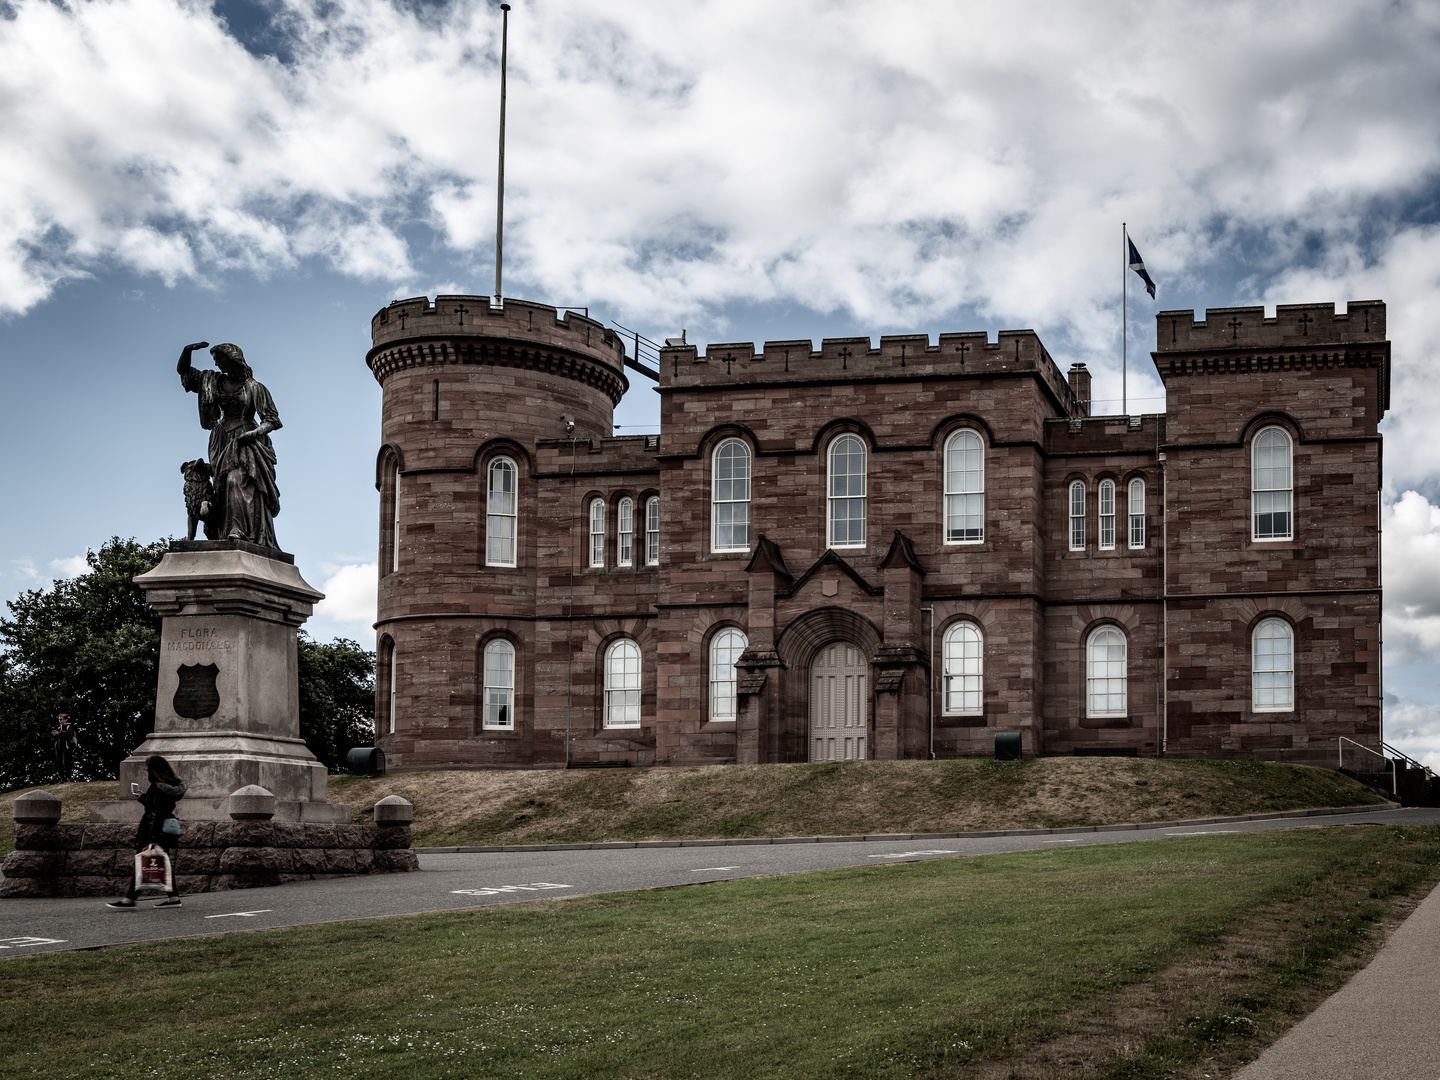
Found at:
[227, 710]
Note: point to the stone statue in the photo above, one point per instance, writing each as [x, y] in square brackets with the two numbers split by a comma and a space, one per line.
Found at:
[242, 461]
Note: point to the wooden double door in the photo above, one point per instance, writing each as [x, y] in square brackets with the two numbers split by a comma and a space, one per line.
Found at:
[838, 700]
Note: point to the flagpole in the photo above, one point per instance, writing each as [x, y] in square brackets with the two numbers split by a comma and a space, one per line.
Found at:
[500, 171]
[1124, 313]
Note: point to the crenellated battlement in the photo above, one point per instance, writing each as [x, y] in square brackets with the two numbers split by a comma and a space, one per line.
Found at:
[1295, 326]
[902, 356]
[407, 327]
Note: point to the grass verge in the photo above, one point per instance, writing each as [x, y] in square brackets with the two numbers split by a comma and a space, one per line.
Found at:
[952, 968]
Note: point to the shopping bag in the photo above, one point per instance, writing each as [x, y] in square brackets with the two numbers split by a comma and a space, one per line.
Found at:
[153, 872]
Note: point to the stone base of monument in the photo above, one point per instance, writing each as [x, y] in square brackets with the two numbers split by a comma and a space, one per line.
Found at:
[227, 706]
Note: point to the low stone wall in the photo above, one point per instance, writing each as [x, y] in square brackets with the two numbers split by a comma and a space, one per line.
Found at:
[98, 859]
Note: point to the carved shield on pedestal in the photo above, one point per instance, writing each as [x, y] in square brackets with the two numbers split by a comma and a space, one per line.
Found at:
[197, 696]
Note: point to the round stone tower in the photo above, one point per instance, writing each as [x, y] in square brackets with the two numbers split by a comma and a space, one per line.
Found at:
[470, 396]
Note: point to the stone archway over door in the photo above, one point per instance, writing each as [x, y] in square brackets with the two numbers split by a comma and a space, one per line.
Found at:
[838, 697]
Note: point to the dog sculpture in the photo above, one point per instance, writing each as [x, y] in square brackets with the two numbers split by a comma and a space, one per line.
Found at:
[199, 498]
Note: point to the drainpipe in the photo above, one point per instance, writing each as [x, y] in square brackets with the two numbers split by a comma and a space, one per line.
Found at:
[1161, 691]
[930, 682]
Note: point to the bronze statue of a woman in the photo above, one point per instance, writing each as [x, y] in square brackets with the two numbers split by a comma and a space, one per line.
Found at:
[241, 457]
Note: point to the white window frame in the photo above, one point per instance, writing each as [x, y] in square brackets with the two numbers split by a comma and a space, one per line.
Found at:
[962, 691]
[622, 684]
[964, 488]
[846, 500]
[652, 531]
[498, 686]
[1135, 508]
[625, 532]
[1106, 500]
[502, 512]
[1075, 506]
[1272, 675]
[597, 533]
[730, 496]
[725, 648]
[395, 524]
[1102, 677]
[1272, 485]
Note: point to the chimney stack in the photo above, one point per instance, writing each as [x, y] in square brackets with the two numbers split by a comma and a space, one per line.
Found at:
[1080, 385]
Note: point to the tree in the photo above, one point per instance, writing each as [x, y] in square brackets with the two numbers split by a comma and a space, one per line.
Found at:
[337, 698]
[88, 646]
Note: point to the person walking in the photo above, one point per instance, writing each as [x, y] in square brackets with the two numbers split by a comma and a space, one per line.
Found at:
[159, 799]
[67, 745]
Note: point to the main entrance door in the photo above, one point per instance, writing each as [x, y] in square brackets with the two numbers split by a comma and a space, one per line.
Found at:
[837, 703]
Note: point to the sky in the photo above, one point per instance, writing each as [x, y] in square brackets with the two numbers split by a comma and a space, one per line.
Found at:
[271, 172]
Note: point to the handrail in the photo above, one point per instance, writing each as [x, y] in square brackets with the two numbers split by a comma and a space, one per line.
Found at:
[1407, 759]
[1394, 779]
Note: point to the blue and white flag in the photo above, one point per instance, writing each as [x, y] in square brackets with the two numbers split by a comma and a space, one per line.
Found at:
[1138, 265]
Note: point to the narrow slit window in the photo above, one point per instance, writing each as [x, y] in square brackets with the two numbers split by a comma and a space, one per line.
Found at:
[499, 692]
[501, 513]
[622, 684]
[1272, 667]
[725, 649]
[391, 678]
[964, 489]
[1077, 516]
[625, 532]
[1136, 507]
[395, 523]
[1107, 515]
[730, 497]
[964, 667]
[652, 531]
[1272, 486]
[597, 532]
[1106, 674]
[847, 495]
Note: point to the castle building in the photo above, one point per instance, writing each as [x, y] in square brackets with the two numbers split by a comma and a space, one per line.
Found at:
[861, 552]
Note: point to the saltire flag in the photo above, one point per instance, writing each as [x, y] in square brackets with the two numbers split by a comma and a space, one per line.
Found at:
[1138, 265]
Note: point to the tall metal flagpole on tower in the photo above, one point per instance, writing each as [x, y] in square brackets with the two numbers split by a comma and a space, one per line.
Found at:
[500, 181]
[1124, 312]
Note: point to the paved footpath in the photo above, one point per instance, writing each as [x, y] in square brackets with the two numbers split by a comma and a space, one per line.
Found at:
[458, 881]
[1383, 1023]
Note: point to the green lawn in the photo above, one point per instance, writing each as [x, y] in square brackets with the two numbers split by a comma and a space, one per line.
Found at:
[917, 970]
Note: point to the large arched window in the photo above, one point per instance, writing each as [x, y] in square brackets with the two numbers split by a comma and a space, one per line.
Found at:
[499, 691]
[625, 532]
[847, 493]
[964, 692]
[1271, 486]
[1107, 515]
[652, 531]
[500, 513]
[1272, 667]
[1136, 508]
[1077, 515]
[725, 649]
[964, 489]
[622, 684]
[597, 532]
[730, 497]
[1106, 678]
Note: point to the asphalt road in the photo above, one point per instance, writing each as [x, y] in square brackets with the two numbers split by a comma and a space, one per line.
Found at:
[454, 882]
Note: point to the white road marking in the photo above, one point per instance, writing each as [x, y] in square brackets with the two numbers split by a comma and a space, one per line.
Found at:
[708, 869]
[1077, 840]
[911, 854]
[1206, 832]
[240, 914]
[534, 886]
[28, 942]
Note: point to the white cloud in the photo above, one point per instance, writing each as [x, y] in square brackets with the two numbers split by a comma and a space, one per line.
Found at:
[348, 609]
[1411, 566]
[1414, 728]
[73, 566]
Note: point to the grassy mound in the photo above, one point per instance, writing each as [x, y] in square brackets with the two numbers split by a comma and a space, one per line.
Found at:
[711, 801]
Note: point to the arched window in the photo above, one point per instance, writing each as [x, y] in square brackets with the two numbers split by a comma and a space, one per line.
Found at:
[388, 653]
[1272, 667]
[964, 489]
[964, 693]
[1077, 516]
[1107, 515]
[499, 692]
[847, 493]
[1271, 486]
[622, 684]
[500, 513]
[395, 522]
[1136, 507]
[730, 497]
[1106, 673]
[652, 531]
[625, 532]
[597, 532]
[725, 649]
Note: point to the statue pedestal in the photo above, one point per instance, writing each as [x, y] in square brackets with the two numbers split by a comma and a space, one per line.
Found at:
[227, 710]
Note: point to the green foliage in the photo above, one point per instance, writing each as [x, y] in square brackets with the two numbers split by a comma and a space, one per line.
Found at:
[337, 698]
[87, 646]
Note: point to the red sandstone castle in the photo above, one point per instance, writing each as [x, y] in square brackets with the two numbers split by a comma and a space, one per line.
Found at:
[860, 552]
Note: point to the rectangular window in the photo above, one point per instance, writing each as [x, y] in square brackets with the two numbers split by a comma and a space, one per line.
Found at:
[597, 533]
[1107, 515]
[652, 531]
[391, 710]
[1077, 516]
[625, 533]
[1137, 513]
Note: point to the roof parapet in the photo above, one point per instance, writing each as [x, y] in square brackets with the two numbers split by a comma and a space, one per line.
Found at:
[1296, 326]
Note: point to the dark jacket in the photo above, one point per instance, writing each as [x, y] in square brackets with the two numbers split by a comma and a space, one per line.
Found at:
[159, 801]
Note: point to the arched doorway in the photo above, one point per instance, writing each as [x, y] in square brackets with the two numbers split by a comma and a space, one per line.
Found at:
[838, 677]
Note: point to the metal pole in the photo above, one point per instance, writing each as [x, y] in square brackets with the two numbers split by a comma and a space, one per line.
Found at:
[1124, 310]
[500, 181]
